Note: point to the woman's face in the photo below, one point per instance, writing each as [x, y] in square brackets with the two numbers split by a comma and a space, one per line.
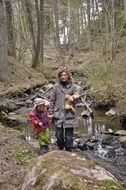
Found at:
[64, 77]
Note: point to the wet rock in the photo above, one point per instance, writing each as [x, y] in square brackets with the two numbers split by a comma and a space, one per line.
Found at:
[19, 104]
[122, 140]
[48, 86]
[111, 153]
[86, 143]
[94, 139]
[10, 121]
[109, 132]
[63, 170]
[107, 140]
[29, 102]
[121, 133]
[82, 146]
[8, 105]
[85, 114]
[22, 110]
[111, 112]
[123, 121]
[41, 90]
[102, 105]
[90, 145]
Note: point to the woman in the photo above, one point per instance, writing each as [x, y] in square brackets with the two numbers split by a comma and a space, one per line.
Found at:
[63, 113]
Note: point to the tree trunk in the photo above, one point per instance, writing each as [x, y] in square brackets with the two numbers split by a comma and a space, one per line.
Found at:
[57, 37]
[69, 27]
[31, 26]
[89, 24]
[112, 24]
[42, 32]
[11, 41]
[38, 43]
[124, 1]
[3, 42]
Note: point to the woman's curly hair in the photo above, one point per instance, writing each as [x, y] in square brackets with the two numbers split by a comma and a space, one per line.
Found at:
[65, 69]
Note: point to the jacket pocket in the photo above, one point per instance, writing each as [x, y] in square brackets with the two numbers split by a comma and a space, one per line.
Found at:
[56, 113]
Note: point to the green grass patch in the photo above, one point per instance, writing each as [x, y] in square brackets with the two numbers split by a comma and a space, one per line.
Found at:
[109, 185]
[23, 155]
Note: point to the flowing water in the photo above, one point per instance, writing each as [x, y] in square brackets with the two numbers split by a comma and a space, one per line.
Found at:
[107, 150]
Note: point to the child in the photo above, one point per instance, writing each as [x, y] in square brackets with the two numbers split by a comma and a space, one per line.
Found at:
[40, 119]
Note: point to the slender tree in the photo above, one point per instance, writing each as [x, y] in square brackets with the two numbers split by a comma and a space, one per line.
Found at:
[56, 17]
[124, 1]
[89, 23]
[11, 40]
[3, 42]
[28, 6]
[42, 32]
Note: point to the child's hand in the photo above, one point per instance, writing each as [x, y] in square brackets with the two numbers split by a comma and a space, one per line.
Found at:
[40, 124]
[51, 116]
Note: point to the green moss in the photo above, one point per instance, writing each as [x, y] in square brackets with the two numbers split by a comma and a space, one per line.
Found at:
[22, 117]
[89, 164]
[54, 172]
[64, 181]
[50, 72]
[1, 126]
[109, 185]
[22, 155]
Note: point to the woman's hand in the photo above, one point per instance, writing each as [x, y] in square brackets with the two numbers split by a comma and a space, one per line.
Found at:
[70, 99]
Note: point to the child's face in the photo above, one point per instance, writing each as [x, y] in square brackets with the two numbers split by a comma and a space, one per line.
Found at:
[40, 108]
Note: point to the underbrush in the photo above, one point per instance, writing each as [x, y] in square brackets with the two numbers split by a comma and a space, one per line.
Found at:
[109, 82]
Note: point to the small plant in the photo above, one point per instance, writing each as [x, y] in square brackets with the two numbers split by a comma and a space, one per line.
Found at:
[23, 155]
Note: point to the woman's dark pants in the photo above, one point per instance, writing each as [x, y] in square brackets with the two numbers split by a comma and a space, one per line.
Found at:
[64, 137]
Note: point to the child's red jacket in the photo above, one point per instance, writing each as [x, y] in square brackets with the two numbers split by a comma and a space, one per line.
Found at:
[35, 120]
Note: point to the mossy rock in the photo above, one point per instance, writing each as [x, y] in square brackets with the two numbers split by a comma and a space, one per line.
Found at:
[61, 170]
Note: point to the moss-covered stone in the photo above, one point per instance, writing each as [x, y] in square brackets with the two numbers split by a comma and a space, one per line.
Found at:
[60, 170]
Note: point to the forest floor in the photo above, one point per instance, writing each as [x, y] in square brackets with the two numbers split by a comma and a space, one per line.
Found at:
[21, 77]
[15, 155]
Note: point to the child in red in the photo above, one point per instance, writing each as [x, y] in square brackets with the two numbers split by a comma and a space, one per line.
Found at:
[40, 119]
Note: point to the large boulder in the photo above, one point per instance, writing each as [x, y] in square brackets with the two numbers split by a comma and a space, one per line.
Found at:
[61, 170]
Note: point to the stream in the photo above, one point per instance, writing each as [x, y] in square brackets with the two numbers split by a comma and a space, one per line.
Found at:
[104, 149]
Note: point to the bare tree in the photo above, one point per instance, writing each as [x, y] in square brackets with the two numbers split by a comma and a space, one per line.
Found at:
[28, 6]
[56, 16]
[38, 38]
[89, 23]
[112, 25]
[42, 32]
[124, 1]
[11, 41]
[3, 42]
